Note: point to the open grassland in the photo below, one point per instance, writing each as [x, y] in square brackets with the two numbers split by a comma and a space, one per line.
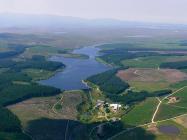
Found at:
[148, 86]
[151, 79]
[151, 61]
[179, 84]
[184, 70]
[167, 111]
[38, 74]
[41, 50]
[141, 113]
[182, 95]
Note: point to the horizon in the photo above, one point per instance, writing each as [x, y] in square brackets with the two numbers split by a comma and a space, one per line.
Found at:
[18, 15]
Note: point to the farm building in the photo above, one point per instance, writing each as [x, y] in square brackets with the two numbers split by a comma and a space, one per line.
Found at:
[115, 107]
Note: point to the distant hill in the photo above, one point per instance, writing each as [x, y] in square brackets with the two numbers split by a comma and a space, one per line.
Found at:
[51, 21]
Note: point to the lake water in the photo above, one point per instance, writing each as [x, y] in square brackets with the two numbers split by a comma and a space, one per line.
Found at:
[76, 70]
[169, 129]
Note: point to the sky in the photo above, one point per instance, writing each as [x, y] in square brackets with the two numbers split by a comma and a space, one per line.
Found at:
[167, 11]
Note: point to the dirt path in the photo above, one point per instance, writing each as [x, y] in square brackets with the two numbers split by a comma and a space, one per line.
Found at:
[160, 102]
[53, 108]
[65, 136]
[157, 108]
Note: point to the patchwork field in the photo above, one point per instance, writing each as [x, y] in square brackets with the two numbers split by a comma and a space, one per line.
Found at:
[151, 79]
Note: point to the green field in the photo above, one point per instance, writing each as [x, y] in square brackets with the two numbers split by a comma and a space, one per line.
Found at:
[141, 113]
[43, 50]
[179, 84]
[148, 86]
[168, 111]
[151, 61]
[38, 74]
[182, 98]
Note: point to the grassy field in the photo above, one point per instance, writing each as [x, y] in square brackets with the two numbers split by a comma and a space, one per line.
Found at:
[151, 61]
[144, 62]
[141, 113]
[179, 84]
[148, 86]
[182, 98]
[42, 50]
[167, 111]
[38, 74]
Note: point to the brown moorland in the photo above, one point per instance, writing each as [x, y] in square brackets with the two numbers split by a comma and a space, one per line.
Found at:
[152, 75]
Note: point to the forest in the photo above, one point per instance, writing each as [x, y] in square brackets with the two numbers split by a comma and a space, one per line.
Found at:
[109, 82]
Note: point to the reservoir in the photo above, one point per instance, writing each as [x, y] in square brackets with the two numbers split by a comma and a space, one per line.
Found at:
[76, 70]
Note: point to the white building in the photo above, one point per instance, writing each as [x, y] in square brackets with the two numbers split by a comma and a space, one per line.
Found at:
[115, 107]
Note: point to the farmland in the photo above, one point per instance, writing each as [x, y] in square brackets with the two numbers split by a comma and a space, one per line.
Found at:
[142, 110]
[152, 61]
